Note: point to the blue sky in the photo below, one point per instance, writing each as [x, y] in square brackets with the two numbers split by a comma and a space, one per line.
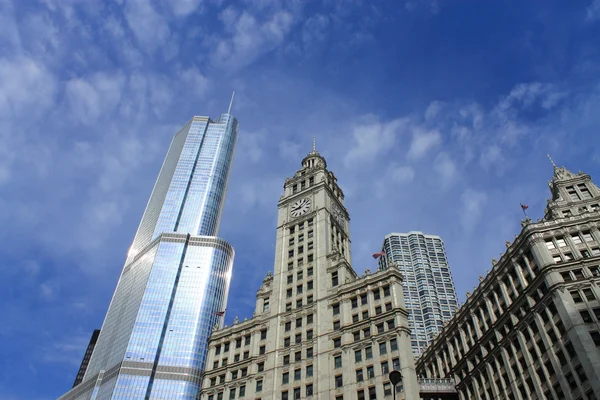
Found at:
[435, 116]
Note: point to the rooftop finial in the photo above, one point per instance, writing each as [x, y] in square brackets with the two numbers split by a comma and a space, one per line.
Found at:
[551, 160]
[231, 102]
[314, 144]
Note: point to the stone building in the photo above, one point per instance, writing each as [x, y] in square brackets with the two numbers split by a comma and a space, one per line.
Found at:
[319, 330]
[531, 329]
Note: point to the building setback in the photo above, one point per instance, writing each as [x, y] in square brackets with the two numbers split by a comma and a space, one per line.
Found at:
[429, 293]
[318, 330]
[175, 280]
[531, 329]
[86, 357]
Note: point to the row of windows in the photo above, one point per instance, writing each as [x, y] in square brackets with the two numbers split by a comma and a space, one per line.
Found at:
[238, 342]
[299, 289]
[365, 313]
[303, 184]
[581, 273]
[300, 226]
[576, 238]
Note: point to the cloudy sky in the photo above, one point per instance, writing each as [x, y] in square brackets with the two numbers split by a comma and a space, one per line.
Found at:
[435, 116]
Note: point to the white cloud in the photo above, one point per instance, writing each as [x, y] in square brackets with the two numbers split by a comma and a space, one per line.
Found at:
[315, 30]
[433, 110]
[422, 142]
[249, 38]
[445, 167]
[370, 138]
[593, 11]
[403, 174]
[26, 86]
[198, 83]
[95, 96]
[182, 8]
[473, 202]
[149, 26]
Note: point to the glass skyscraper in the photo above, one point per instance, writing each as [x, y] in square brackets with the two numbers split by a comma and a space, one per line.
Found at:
[175, 282]
[429, 292]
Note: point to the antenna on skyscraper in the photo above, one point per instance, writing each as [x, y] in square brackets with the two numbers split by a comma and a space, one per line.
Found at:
[551, 160]
[231, 102]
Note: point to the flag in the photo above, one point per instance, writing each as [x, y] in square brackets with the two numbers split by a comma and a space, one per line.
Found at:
[524, 206]
[380, 254]
[220, 313]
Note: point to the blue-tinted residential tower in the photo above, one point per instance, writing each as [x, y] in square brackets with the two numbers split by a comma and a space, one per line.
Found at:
[429, 293]
[175, 280]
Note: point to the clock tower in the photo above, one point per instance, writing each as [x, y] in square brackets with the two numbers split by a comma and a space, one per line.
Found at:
[318, 330]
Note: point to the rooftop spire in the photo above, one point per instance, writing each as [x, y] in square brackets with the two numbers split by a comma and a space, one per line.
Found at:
[231, 102]
[314, 144]
[551, 160]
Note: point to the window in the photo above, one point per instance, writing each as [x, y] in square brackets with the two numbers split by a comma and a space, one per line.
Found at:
[387, 389]
[288, 293]
[380, 328]
[589, 294]
[336, 309]
[298, 356]
[354, 302]
[300, 249]
[309, 371]
[309, 319]
[391, 324]
[359, 375]
[365, 314]
[236, 358]
[285, 378]
[368, 353]
[394, 344]
[557, 258]
[370, 372]
[396, 364]
[286, 359]
[357, 356]
[246, 340]
[298, 322]
[367, 332]
[385, 369]
[226, 347]
[290, 278]
[262, 350]
[297, 393]
[291, 242]
[309, 246]
[242, 391]
[300, 275]
[286, 341]
[261, 367]
[298, 338]
[550, 244]
[309, 390]
[259, 385]
[309, 352]
[220, 396]
[334, 279]
[360, 394]
[309, 271]
[386, 291]
[576, 239]
[290, 265]
[378, 310]
[363, 299]
[388, 306]
[586, 316]
[309, 258]
[372, 393]
[587, 236]
[356, 336]
[338, 381]
[338, 362]
[299, 289]
[309, 299]
[355, 318]
[560, 241]
[290, 253]
[309, 334]
[232, 393]
[382, 348]
[336, 325]
[566, 276]
[284, 395]
[337, 342]
[310, 233]
[297, 374]
[295, 188]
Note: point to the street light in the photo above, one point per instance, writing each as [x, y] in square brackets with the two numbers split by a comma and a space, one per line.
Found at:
[395, 378]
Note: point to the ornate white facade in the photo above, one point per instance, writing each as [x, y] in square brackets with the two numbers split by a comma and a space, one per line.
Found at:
[319, 330]
[531, 329]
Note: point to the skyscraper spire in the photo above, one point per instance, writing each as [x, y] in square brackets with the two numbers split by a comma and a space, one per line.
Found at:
[552, 161]
[231, 102]
[314, 149]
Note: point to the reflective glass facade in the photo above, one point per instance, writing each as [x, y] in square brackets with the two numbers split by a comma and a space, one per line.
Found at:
[176, 277]
[428, 287]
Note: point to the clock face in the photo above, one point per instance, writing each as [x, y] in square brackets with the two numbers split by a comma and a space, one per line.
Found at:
[300, 207]
[338, 214]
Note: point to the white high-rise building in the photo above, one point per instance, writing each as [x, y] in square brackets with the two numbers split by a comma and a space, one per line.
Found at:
[319, 330]
[429, 293]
